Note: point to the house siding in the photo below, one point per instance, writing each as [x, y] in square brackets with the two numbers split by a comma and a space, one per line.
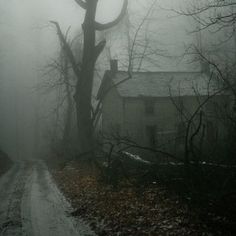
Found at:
[129, 114]
[112, 112]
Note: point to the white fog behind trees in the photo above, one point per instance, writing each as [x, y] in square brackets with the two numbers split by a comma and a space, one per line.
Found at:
[28, 42]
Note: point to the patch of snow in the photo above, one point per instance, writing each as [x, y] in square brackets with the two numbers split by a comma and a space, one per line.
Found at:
[136, 157]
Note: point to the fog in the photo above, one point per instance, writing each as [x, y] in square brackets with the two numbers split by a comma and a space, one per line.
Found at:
[28, 42]
[117, 117]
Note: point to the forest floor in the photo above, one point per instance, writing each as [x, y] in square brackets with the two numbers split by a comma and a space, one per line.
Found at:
[129, 210]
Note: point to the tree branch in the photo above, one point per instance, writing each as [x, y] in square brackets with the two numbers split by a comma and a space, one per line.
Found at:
[81, 3]
[97, 109]
[101, 27]
[99, 48]
[67, 49]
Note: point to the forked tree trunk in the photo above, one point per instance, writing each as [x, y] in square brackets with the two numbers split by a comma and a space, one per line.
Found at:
[84, 87]
[85, 72]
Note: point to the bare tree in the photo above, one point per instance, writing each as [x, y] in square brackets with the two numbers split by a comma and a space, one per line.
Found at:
[212, 14]
[215, 20]
[141, 47]
[84, 72]
[60, 80]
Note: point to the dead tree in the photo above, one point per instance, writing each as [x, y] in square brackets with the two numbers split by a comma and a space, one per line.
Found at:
[214, 14]
[139, 50]
[58, 78]
[192, 129]
[217, 18]
[84, 72]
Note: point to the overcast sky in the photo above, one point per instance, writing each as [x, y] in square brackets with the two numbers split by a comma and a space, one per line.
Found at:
[28, 42]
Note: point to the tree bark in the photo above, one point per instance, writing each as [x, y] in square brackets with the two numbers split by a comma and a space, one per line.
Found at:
[84, 86]
[85, 71]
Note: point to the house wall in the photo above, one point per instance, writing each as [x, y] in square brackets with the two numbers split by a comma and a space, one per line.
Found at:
[166, 117]
[112, 112]
[129, 117]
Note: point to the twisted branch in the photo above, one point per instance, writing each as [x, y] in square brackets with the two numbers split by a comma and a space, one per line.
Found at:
[101, 27]
[67, 49]
[81, 3]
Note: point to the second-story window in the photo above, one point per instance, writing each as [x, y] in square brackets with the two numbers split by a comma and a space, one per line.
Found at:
[149, 106]
[151, 132]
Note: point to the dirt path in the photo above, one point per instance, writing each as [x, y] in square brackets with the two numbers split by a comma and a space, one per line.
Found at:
[32, 205]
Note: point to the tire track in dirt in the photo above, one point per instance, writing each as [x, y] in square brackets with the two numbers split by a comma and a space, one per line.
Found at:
[45, 210]
[12, 185]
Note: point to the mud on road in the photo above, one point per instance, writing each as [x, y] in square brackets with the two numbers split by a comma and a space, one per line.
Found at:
[32, 205]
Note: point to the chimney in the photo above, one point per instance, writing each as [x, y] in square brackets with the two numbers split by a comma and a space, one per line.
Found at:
[114, 66]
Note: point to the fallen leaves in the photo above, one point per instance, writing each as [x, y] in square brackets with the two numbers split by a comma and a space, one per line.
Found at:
[127, 211]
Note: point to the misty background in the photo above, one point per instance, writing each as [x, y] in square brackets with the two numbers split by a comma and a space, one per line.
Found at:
[28, 42]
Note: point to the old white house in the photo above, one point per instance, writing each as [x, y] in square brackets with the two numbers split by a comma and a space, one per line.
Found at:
[154, 108]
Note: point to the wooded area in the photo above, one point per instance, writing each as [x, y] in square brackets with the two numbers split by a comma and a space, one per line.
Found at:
[141, 126]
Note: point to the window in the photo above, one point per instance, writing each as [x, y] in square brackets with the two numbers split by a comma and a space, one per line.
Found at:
[181, 128]
[149, 106]
[181, 132]
[211, 131]
[151, 132]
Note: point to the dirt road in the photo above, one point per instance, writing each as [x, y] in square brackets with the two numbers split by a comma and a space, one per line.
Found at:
[32, 205]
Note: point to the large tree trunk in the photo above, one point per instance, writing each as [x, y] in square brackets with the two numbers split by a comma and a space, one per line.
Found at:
[84, 86]
[85, 72]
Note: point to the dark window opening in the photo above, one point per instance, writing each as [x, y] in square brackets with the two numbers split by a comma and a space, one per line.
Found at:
[181, 128]
[151, 135]
[181, 132]
[211, 132]
[149, 107]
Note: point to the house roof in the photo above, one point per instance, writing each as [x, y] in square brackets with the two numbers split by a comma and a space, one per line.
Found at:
[161, 84]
